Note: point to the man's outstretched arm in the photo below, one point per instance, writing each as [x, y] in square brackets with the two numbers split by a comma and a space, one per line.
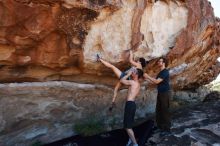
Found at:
[155, 81]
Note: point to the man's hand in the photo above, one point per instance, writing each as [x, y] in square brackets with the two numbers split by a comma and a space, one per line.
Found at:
[124, 79]
[146, 76]
[112, 106]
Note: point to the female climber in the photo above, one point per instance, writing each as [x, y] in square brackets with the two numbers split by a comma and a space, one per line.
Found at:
[140, 64]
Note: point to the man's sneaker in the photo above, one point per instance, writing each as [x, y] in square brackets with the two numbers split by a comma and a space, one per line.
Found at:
[157, 131]
[129, 142]
[165, 133]
[113, 105]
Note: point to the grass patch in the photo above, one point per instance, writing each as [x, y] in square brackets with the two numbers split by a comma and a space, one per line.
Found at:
[37, 143]
[89, 127]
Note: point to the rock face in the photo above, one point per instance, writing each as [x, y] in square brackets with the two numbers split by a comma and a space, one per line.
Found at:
[48, 111]
[197, 125]
[58, 40]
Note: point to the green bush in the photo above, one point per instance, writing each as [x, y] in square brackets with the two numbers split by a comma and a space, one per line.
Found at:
[37, 143]
[89, 127]
[113, 123]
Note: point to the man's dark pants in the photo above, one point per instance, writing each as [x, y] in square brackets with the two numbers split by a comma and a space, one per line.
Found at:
[162, 111]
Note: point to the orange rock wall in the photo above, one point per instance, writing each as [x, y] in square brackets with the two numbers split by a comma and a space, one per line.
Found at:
[57, 40]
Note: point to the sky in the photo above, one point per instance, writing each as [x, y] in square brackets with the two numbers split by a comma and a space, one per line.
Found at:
[216, 5]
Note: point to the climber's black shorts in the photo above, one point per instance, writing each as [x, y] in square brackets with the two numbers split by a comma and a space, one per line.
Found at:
[129, 112]
[124, 74]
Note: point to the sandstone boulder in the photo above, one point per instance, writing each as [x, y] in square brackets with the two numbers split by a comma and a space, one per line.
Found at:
[58, 40]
